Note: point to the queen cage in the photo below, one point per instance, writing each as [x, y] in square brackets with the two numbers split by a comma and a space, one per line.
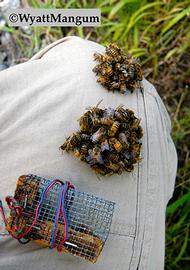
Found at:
[34, 211]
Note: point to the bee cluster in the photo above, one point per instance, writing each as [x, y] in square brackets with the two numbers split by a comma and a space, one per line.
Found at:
[108, 140]
[117, 70]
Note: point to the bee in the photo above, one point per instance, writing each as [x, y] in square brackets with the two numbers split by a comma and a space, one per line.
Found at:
[77, 153]
[135, 123]
[136, 149]
[132, 85]
[114, 167]
[118, 146]
[126, 155]
[123, 139]
[84, 149]
[114, 157]
[102, 80]
[113, 49]
[130, 113]
[117, 66]
[105, 146]
[99, 57]
[139, 132]
[96, 69]
[114, 85]
[109, 71]
[96, 153]
[139, 72]
[109, 112]
[89, 158]
[114, 128]
[65, 145]
[114, 46]
[115, 144]
[123, 88]
[98, 134]
[106, 121]
[129, 168]
[85, 122]
[120, 112]
[85, 137]
[101, 170]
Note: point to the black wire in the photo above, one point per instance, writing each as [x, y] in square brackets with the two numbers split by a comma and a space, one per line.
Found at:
[23, 241]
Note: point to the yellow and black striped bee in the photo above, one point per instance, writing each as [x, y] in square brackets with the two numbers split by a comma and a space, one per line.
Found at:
[114, 128]
[85, 122]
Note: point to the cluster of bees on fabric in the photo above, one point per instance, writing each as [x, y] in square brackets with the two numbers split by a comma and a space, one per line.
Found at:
[117, 71]
[109, 139]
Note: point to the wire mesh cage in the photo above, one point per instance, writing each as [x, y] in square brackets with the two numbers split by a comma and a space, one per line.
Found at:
[57, 215]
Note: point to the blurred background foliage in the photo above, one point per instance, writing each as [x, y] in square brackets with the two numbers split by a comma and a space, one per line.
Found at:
[158, 32]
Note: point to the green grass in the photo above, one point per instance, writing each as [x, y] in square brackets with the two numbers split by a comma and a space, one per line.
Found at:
[158, 32]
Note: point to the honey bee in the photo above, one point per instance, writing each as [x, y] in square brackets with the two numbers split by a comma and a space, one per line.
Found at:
[76, 153]
[98, 134]
[84, 149]
[85, 122]
[117, 66]
[114, 157]
[85, 137]
[115, 144]
[106, 121]
[123, 139]
[99, 57]
[114, 166]
[129, 168]
[136, 149]
[105, 146]
[65, 145]
[109, 71]
[109, 112]
[123, 88]
[139, 132]
[118, 146]
[102, 80]
[139, 72]
[96, 69]
[135, 123]
[114, 128]
[96, 153]
[101, 170]
[114, 85]
[113, 49]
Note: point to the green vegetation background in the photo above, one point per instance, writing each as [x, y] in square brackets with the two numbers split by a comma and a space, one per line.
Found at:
[158, 32]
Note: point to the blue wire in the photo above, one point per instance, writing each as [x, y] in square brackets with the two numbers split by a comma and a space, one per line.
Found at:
[56, 217]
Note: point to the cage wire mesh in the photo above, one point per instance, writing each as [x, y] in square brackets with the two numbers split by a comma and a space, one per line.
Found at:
[89, 217]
